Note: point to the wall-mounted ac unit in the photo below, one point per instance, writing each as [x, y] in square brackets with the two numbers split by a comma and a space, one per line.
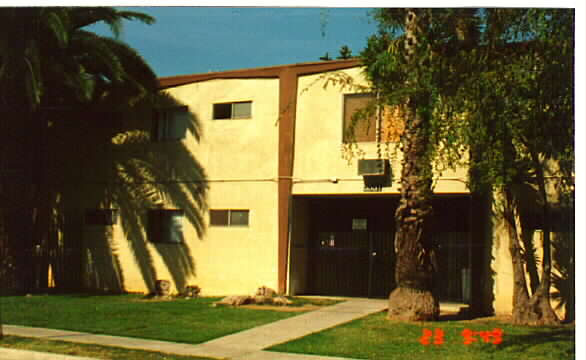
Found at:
[372, 167]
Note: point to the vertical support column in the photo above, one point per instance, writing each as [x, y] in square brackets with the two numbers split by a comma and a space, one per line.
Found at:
[287, 110]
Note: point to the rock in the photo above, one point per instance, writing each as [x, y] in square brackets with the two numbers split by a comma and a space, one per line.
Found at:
[162, 288]
[281, 300]
[192, 291]
[265, 291]
[235, 300]
[260, 299]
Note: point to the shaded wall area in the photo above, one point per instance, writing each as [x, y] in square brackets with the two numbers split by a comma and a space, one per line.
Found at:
[95, 159]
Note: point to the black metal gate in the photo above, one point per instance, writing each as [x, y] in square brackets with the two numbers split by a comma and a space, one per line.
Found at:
[357, 263]
[453, 282]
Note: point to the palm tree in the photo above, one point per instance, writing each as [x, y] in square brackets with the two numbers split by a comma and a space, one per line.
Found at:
[50, 64]
[49, 58]
[438, 62]
[400, 64]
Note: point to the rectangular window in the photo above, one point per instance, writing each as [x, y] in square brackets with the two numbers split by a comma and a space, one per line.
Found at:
[235, 110]
[361, 115]
[166, 226]
[229, 217]
[170, 124]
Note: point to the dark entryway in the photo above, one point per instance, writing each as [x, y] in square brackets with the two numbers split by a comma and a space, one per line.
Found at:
[350, 246]
[356, 263]
[351, 251]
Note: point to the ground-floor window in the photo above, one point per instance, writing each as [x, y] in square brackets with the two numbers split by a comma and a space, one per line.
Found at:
[229, 217]
[166, 226]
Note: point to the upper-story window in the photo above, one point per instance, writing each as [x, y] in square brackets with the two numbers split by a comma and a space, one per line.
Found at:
[363, 119]
[170, 124]
[234, 110]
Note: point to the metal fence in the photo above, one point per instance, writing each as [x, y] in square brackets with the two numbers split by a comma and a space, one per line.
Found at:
[34, 270]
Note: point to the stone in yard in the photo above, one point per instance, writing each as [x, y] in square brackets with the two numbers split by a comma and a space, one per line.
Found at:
[259, 299]
[265, 291]
[192, 291]
[162, 288]
[281, 300]
[234, 300]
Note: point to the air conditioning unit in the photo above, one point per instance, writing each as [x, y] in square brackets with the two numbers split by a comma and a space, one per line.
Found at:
[372, 167]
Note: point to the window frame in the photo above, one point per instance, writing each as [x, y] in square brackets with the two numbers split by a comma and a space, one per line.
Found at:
[165, 115]
[232, 104]
[229, 218]
[158, 233]
[346, 119]
[389, 123]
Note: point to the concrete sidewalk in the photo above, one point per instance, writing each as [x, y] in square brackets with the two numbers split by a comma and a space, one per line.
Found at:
[16, 354]
[245, 345]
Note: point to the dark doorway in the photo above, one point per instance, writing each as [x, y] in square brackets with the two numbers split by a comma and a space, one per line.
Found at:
[351, 246]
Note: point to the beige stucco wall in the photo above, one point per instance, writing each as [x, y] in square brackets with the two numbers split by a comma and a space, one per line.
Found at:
[319, 154]
[501, 258]
[240, 160]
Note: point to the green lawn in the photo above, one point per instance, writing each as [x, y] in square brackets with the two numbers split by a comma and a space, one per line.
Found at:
[94, 351]
[374, 337]
[180, 320]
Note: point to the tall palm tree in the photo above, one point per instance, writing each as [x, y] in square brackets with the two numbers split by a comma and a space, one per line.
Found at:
[49, 63]
[497, 66]
[404, 67]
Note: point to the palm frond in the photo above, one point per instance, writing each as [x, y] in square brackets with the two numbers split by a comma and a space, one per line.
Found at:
[55, 22]
[132, 15]
[82, 17]
[97, 56]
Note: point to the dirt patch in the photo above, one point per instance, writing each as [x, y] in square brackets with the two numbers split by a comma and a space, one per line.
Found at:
[454, 316]
[306, 307]
[160, 299]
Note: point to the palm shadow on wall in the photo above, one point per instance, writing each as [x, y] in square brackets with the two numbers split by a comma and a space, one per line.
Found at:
[118, 165]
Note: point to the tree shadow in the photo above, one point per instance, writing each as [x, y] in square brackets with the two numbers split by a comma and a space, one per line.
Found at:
[523, 342]
[108, 160]
[564, 252]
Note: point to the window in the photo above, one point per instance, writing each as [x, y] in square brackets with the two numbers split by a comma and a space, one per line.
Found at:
[170, 124]
[235, 110]
[229, 217]
[360, 120]
[166, 226]
[101, 217]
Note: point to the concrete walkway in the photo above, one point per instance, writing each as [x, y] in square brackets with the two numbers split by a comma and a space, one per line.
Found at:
[245, 345]
[16, 354]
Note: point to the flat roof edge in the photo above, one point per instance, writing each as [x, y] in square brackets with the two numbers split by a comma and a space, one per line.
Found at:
[259, 73]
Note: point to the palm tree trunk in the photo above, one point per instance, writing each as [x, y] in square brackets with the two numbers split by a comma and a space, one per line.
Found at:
[413, 299]
[520, 292]
[535, 309]
[540, 311]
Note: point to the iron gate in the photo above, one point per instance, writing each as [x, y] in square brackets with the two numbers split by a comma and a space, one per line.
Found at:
[357, 263]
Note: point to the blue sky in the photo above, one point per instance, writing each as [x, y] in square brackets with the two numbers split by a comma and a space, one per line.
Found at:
[187, 40]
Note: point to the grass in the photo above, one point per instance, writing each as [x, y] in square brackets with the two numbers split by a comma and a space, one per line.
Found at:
[180, 320]
[94, 351]
[374, 337]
